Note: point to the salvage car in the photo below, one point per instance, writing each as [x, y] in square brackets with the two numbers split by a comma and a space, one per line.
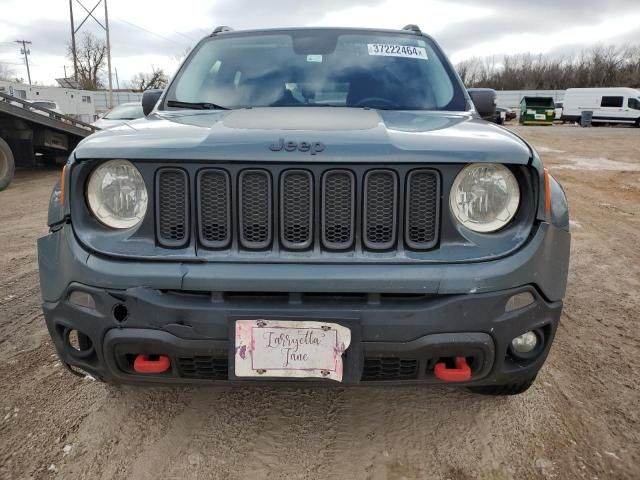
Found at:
[308, 205]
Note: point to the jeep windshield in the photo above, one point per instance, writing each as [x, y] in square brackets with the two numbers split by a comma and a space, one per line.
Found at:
[307, 67]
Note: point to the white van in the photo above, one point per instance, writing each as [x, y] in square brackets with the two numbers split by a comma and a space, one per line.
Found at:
[609, 105]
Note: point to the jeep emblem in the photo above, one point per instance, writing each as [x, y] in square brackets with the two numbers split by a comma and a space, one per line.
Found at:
[311, 147]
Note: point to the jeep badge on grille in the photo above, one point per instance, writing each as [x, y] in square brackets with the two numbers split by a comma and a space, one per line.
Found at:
[312, 147]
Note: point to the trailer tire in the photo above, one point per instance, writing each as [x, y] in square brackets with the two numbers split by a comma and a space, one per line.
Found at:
[7, 165]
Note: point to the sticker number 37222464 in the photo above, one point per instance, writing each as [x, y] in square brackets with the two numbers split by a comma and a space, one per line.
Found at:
[406, 51]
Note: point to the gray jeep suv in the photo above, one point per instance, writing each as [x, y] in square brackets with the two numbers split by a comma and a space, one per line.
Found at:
[307, 205]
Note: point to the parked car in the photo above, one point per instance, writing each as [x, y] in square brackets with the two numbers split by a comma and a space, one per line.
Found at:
[119, 115]
[308, 205]
[504, 115]
[609, 105]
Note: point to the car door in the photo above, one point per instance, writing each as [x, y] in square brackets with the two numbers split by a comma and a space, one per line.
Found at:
[633, 105]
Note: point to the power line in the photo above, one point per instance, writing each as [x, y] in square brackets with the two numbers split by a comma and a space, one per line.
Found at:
[150, 32]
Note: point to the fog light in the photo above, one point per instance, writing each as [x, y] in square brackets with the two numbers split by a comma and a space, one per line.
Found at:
[525, 343]
[518, 301]
[82, 299]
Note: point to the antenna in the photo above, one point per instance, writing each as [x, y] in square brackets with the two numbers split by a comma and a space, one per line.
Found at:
[222, 29]
[412, 28]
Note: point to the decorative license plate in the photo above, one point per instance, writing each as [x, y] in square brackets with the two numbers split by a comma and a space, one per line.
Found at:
[290, 349]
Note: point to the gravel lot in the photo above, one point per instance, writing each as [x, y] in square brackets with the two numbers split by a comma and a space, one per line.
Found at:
[580, 420]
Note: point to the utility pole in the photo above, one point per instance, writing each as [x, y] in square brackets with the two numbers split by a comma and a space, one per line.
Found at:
[117, 81]
[26, 52]
[73, 43]
[105, 27]
[106, 22]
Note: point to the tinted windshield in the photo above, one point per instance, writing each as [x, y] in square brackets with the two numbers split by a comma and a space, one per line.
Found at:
[319, 68]
[125, 112]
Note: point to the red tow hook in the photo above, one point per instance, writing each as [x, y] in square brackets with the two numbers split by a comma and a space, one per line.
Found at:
[461, 373]
[151, 363]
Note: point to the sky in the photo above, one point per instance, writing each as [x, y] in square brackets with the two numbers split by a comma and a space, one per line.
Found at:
[158, 33]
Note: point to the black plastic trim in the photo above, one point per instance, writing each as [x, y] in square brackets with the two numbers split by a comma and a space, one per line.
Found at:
[365, 187]
[208, 243]
[354, 191]
[283, 217]
[247, 243]
[407, 237]
[187, 218]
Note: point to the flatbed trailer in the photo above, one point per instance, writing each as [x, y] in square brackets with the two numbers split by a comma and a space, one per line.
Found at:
[30, 134]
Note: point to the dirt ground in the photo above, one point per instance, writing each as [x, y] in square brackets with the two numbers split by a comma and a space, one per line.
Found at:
[581, 420]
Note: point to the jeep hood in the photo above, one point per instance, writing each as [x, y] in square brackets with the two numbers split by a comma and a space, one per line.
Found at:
[347, 134]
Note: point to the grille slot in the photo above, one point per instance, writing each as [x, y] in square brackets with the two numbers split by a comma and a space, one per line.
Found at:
[338, 209]
[380, 209]
[255, 209]
[172, 207]
[204, 367]
[389, 368]
[214, 199]
[296, 209]
[423, 194]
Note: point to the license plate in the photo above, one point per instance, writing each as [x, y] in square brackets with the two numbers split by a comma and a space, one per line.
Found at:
[290, 349]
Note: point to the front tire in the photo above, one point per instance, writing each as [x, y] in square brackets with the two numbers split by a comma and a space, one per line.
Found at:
[504, 390]
[7, 165]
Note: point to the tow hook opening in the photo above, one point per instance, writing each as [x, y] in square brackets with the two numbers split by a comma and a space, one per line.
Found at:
[452, 369]
[151, 364]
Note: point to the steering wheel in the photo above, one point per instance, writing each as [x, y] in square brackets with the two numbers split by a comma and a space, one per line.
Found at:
[372, 101]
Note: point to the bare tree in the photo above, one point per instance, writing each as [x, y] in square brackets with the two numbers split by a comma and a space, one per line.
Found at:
[6, 72]
[599, 67]
[144, 81]
[91, 53]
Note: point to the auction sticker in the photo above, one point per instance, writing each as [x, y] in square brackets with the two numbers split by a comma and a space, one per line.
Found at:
[403, 51]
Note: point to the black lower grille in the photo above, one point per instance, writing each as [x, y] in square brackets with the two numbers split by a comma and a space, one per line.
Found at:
[209, 368]
[389, 368]
[172, 202]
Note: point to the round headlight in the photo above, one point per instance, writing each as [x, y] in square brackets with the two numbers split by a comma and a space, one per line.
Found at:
[484, 197]
[117, 195]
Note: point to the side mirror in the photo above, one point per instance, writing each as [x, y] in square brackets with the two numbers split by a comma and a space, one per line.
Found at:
[484, 100]
[149, 100]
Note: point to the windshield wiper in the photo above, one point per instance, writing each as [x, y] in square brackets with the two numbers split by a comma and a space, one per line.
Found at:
[196, 105]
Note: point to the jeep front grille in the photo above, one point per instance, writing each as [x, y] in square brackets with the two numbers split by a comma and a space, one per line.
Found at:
[309, 208]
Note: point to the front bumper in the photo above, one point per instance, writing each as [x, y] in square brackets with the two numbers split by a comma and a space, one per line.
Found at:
[395, 339]
[403, 318]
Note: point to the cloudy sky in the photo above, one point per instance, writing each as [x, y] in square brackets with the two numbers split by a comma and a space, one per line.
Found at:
[146, 33]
